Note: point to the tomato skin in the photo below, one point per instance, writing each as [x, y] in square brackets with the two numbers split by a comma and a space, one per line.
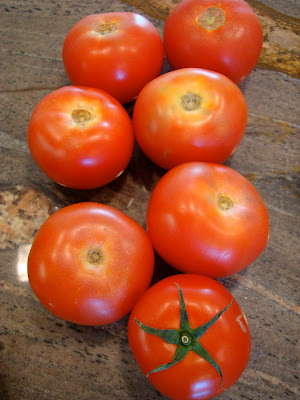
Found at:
[80, 155]
[169, 132]
[232, 49]
[77, 288]
[228, 341]
[116, 60]
[207, 219]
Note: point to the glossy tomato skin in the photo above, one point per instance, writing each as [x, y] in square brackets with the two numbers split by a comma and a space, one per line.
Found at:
[80, 137]
[189, 115]
[89, 263]
[228, 340]
[232, 46]
[208, 219]
[118, 52]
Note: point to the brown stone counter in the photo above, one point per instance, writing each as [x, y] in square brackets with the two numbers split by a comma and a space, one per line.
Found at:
[43, 357]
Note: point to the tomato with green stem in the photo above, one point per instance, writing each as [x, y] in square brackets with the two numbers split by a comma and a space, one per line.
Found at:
[189, 337]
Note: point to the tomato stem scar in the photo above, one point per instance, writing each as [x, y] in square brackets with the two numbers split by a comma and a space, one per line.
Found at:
[211, 19]
[191, 101]
[185, 339]
[225, 203]
[95, 256]
[104, 29]
[81, 116]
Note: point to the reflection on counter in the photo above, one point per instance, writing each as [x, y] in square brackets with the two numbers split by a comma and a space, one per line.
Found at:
[22, 257]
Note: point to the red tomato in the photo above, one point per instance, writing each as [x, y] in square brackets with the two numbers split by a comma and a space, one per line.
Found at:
[207, 219]
[181, 361]
[89, 263]
[224, 36]
[80, 137]
[118, 52]
[189, 115]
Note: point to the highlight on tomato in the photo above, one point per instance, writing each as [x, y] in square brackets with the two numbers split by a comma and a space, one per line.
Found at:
[118, 52]
[208, 219]
[190, 337]
[189, 115]
[223, 36]
[89, 263]
[80, 137]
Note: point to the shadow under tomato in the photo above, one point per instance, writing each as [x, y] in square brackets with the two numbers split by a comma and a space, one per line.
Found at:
[65, 196]
[143, 171]
[162, 270]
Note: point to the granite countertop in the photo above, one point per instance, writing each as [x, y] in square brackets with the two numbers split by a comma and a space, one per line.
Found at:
[43, 357]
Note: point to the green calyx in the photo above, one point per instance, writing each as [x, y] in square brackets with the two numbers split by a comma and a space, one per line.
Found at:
[186, 338]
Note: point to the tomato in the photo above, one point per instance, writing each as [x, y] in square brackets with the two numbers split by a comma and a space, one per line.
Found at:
[118, 52]
[89, 263]
[80, 137]
[190, 337]
[189, 115]
[208, 219]
[224, 36]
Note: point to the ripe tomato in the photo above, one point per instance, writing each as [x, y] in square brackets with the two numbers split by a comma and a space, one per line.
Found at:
[224, 36]
[190, 337]
[89, 263]
[207, 219]
[118, 52]
[189, 115]
[80, 137]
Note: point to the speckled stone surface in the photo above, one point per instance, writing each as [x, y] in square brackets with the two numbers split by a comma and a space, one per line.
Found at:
[43, 357]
